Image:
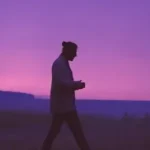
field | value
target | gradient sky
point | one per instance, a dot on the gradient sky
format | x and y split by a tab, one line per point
113	38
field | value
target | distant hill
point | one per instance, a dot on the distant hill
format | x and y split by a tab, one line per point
27	102
15	95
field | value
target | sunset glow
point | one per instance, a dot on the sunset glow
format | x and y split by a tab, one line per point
113	39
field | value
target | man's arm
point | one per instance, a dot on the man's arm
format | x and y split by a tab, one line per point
61	75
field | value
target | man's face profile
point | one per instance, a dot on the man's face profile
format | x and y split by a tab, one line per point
72	54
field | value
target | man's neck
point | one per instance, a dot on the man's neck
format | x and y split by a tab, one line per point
64	57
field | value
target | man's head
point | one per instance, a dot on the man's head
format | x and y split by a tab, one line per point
69	50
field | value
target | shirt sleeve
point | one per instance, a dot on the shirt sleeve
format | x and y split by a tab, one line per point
62	76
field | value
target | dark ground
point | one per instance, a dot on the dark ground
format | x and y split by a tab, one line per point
26	131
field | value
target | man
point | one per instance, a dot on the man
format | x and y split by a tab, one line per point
63	107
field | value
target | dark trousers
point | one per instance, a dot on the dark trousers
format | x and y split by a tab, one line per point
72	120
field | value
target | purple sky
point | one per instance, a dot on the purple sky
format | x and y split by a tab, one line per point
113	38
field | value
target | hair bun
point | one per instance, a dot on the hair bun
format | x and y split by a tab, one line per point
64	43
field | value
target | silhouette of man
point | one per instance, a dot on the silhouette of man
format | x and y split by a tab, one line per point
62	101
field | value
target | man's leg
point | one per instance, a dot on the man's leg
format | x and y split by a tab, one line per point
57	121
74	124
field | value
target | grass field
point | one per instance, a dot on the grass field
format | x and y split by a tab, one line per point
26	131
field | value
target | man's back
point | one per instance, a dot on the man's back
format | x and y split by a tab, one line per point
62	95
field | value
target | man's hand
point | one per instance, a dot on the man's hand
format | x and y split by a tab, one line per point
80	84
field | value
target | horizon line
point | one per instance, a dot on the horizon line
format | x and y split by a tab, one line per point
46	97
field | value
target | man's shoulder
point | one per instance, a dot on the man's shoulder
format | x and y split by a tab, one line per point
58	61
